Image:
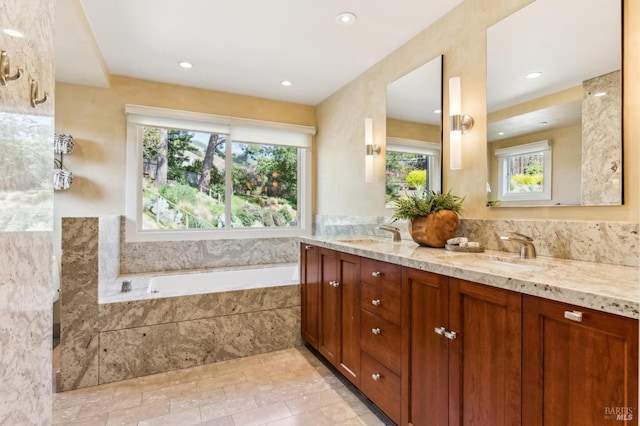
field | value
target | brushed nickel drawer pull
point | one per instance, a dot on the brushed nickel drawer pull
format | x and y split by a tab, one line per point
450	335
376	377
573	315
440	330
376	274
375	302
334	283
375	330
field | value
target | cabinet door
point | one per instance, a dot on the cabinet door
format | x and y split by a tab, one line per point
310	292
328	337
425	378
348	361
581	370
485	356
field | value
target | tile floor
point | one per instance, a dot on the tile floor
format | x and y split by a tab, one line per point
289	387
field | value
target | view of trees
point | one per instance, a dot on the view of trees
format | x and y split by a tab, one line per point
526	173
184	183
406	175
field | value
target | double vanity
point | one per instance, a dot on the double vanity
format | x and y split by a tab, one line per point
436	337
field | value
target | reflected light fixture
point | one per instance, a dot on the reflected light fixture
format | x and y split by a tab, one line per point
460	124
371	150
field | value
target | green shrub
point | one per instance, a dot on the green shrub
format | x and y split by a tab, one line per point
286	214
416	179
249	214
179	193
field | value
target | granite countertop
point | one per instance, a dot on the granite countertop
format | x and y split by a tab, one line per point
604	287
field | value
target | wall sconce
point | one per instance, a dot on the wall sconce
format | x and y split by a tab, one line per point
460	124
371	150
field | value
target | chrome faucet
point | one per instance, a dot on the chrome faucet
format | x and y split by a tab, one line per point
395	231
527	249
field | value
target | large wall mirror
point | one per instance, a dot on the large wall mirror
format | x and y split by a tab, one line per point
414	132
554	102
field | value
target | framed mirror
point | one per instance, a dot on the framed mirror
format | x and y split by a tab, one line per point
554	102
414	132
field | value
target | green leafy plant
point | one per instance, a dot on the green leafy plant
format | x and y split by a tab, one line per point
423	205
416	179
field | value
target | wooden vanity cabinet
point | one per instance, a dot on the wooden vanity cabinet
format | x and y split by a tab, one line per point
580	366
310	293
381	334
464	357
339	311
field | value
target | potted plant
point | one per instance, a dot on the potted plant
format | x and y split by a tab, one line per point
433	216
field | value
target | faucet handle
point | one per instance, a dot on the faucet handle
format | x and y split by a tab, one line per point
519	235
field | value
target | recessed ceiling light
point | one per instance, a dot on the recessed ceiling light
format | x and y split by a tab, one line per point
500	133
286	83
13	33
599	94
534	74
346	18
185	64
437	111
543	123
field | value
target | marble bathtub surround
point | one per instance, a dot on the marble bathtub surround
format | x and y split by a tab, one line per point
608	288
128	338
616	243
148	256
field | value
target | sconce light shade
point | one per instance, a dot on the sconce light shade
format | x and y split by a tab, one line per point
460	124
371	150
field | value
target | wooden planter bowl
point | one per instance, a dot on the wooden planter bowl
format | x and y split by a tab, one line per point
435	229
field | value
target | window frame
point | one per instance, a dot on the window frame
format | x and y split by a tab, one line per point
505	154
239	130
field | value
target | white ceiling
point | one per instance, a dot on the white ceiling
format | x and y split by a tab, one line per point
237	46
568	42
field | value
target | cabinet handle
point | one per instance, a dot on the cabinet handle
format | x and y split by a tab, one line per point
375	330
375	302
334	283
450	335
5	70
440	330
376	377
573	315
307	247
376	274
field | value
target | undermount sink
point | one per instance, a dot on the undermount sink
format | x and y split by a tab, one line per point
362	241
501	264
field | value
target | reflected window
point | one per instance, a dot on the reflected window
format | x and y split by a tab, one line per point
411	168
525	172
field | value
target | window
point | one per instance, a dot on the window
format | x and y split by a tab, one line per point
524	172
199	176
411	167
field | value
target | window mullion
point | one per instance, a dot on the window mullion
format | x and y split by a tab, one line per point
228	182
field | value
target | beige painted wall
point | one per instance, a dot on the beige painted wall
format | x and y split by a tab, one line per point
566	148
96	119
461	37
411	130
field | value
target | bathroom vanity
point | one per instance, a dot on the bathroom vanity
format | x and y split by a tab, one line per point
435	337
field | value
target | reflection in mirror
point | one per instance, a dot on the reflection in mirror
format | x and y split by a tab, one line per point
414	132
554	122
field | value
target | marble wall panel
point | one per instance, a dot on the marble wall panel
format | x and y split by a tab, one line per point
79	303
154	256
616	243
138	313
25	328
109	248
602	140
141	351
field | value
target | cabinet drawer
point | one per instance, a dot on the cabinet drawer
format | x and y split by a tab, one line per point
382	299
377	272
381	339
381	386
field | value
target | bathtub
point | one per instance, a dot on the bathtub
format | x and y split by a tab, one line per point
224	280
